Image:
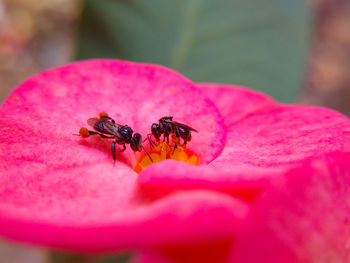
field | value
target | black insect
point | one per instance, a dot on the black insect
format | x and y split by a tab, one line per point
167	127
107	128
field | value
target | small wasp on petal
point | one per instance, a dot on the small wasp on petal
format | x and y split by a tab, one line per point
107	128
167	127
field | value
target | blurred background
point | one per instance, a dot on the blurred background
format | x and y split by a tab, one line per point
40	34
296	51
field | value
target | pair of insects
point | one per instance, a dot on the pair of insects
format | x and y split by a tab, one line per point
107	128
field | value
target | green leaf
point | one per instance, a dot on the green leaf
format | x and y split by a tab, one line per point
257	43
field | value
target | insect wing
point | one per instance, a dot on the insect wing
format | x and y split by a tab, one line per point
92	121
103	126
181	125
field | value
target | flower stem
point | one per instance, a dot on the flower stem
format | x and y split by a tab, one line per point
60	257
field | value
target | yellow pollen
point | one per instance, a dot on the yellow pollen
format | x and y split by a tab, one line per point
165	151
83	132
102	114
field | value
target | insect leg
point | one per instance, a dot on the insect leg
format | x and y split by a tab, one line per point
124	148
175	147
176	138
83	132
167	138
113	121
185	143
104	116
113	152
177	132
102	135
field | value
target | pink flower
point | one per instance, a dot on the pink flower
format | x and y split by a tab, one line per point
62	191
308	218
303	216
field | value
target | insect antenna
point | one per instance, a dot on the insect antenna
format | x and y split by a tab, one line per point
147	153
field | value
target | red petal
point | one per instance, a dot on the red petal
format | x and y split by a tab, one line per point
303	217
235	102
193	217
205	252
264	139
63	191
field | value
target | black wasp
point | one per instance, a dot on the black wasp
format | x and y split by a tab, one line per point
107	128
167	127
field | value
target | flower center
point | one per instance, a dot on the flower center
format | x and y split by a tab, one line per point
164	151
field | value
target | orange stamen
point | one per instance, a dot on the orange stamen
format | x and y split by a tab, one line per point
165	151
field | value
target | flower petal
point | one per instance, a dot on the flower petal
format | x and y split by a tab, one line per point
40	116
264	140
198	216
168	176
303	217
235	102
283	135
52	182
